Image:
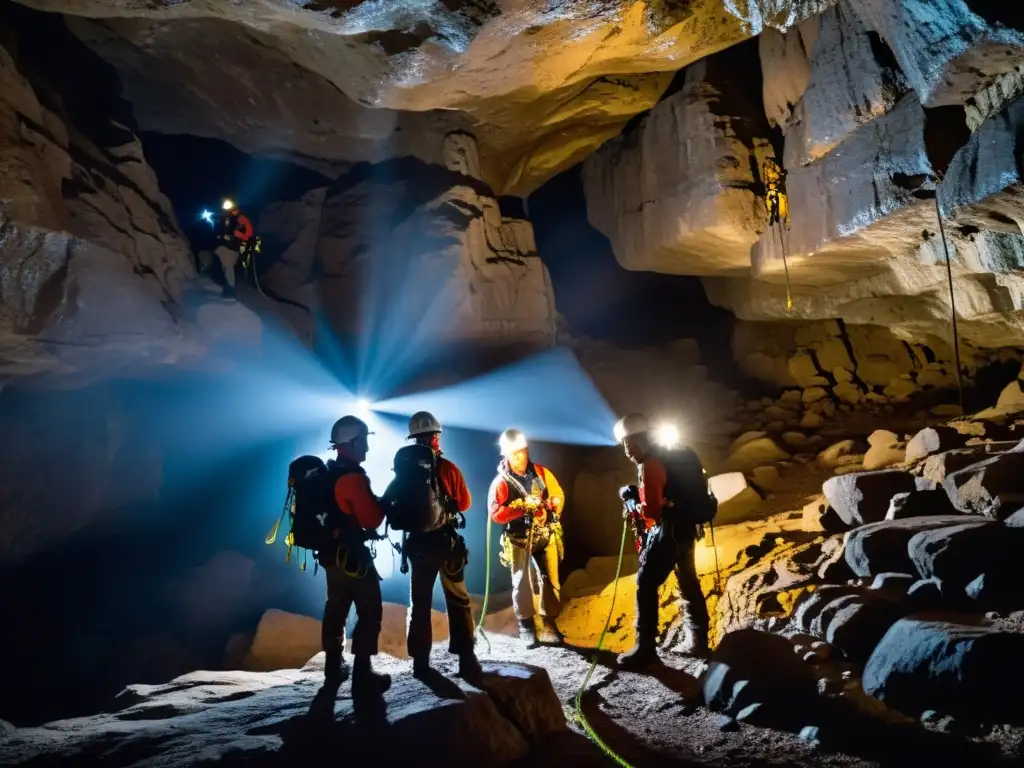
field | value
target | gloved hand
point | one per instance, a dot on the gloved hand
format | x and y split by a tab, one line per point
629	493
532	501
551	504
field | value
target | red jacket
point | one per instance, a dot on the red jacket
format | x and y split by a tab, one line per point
498	496
243	227
653	479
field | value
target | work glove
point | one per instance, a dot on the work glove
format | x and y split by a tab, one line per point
629	493
532	501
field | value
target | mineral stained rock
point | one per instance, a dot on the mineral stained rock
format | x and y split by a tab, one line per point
549	83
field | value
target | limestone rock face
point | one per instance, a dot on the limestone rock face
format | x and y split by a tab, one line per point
548	84
676	195
948	49
851	79
96	279
424	238
874	113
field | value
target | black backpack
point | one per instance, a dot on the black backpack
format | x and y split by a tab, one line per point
312	513
693	501
414	500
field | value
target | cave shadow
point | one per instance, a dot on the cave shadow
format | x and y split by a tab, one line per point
627	745
605	658
850	731
683	683
441	686
319	737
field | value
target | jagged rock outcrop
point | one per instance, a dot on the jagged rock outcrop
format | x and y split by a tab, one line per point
428	242
679	193
94	272
546	84
280	718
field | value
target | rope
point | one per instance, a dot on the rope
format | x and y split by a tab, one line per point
578	702
952	304
487	590
785	265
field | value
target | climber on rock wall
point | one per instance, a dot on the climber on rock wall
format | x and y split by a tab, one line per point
671	497
526	498
440	550
233	233
351	576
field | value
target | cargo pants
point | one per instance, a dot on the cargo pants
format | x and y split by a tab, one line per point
524	575
430	555
343	591
668	548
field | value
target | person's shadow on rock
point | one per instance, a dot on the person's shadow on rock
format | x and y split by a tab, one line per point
440	685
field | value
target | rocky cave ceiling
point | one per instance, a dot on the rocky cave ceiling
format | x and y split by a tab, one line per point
874	107
542	83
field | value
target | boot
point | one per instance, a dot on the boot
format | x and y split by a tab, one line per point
551	629
469	667
695	641
335	669
528	633
641	656
365	680
421	667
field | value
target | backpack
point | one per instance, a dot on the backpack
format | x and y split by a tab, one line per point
312	513
694	503
414	501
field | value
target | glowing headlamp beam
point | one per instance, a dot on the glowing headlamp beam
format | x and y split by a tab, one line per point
207	216
666	435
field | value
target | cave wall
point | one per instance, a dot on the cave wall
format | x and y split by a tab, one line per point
413	253
681	192
96	278
876	101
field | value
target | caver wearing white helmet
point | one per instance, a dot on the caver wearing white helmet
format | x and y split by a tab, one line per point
438	550
424	423
350	433
527	500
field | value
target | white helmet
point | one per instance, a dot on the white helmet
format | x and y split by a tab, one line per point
627	426
423	423
511	440
348	428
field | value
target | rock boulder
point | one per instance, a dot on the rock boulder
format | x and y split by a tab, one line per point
279	716
993	487
883	547
864	497
942	663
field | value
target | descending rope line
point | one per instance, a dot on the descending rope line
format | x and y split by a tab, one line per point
578	702
785	266
487	590
952	303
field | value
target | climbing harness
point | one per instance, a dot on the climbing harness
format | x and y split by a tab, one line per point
777	203
578	715
952	303
248	253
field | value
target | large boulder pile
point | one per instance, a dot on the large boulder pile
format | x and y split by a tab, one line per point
855	365
928	564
